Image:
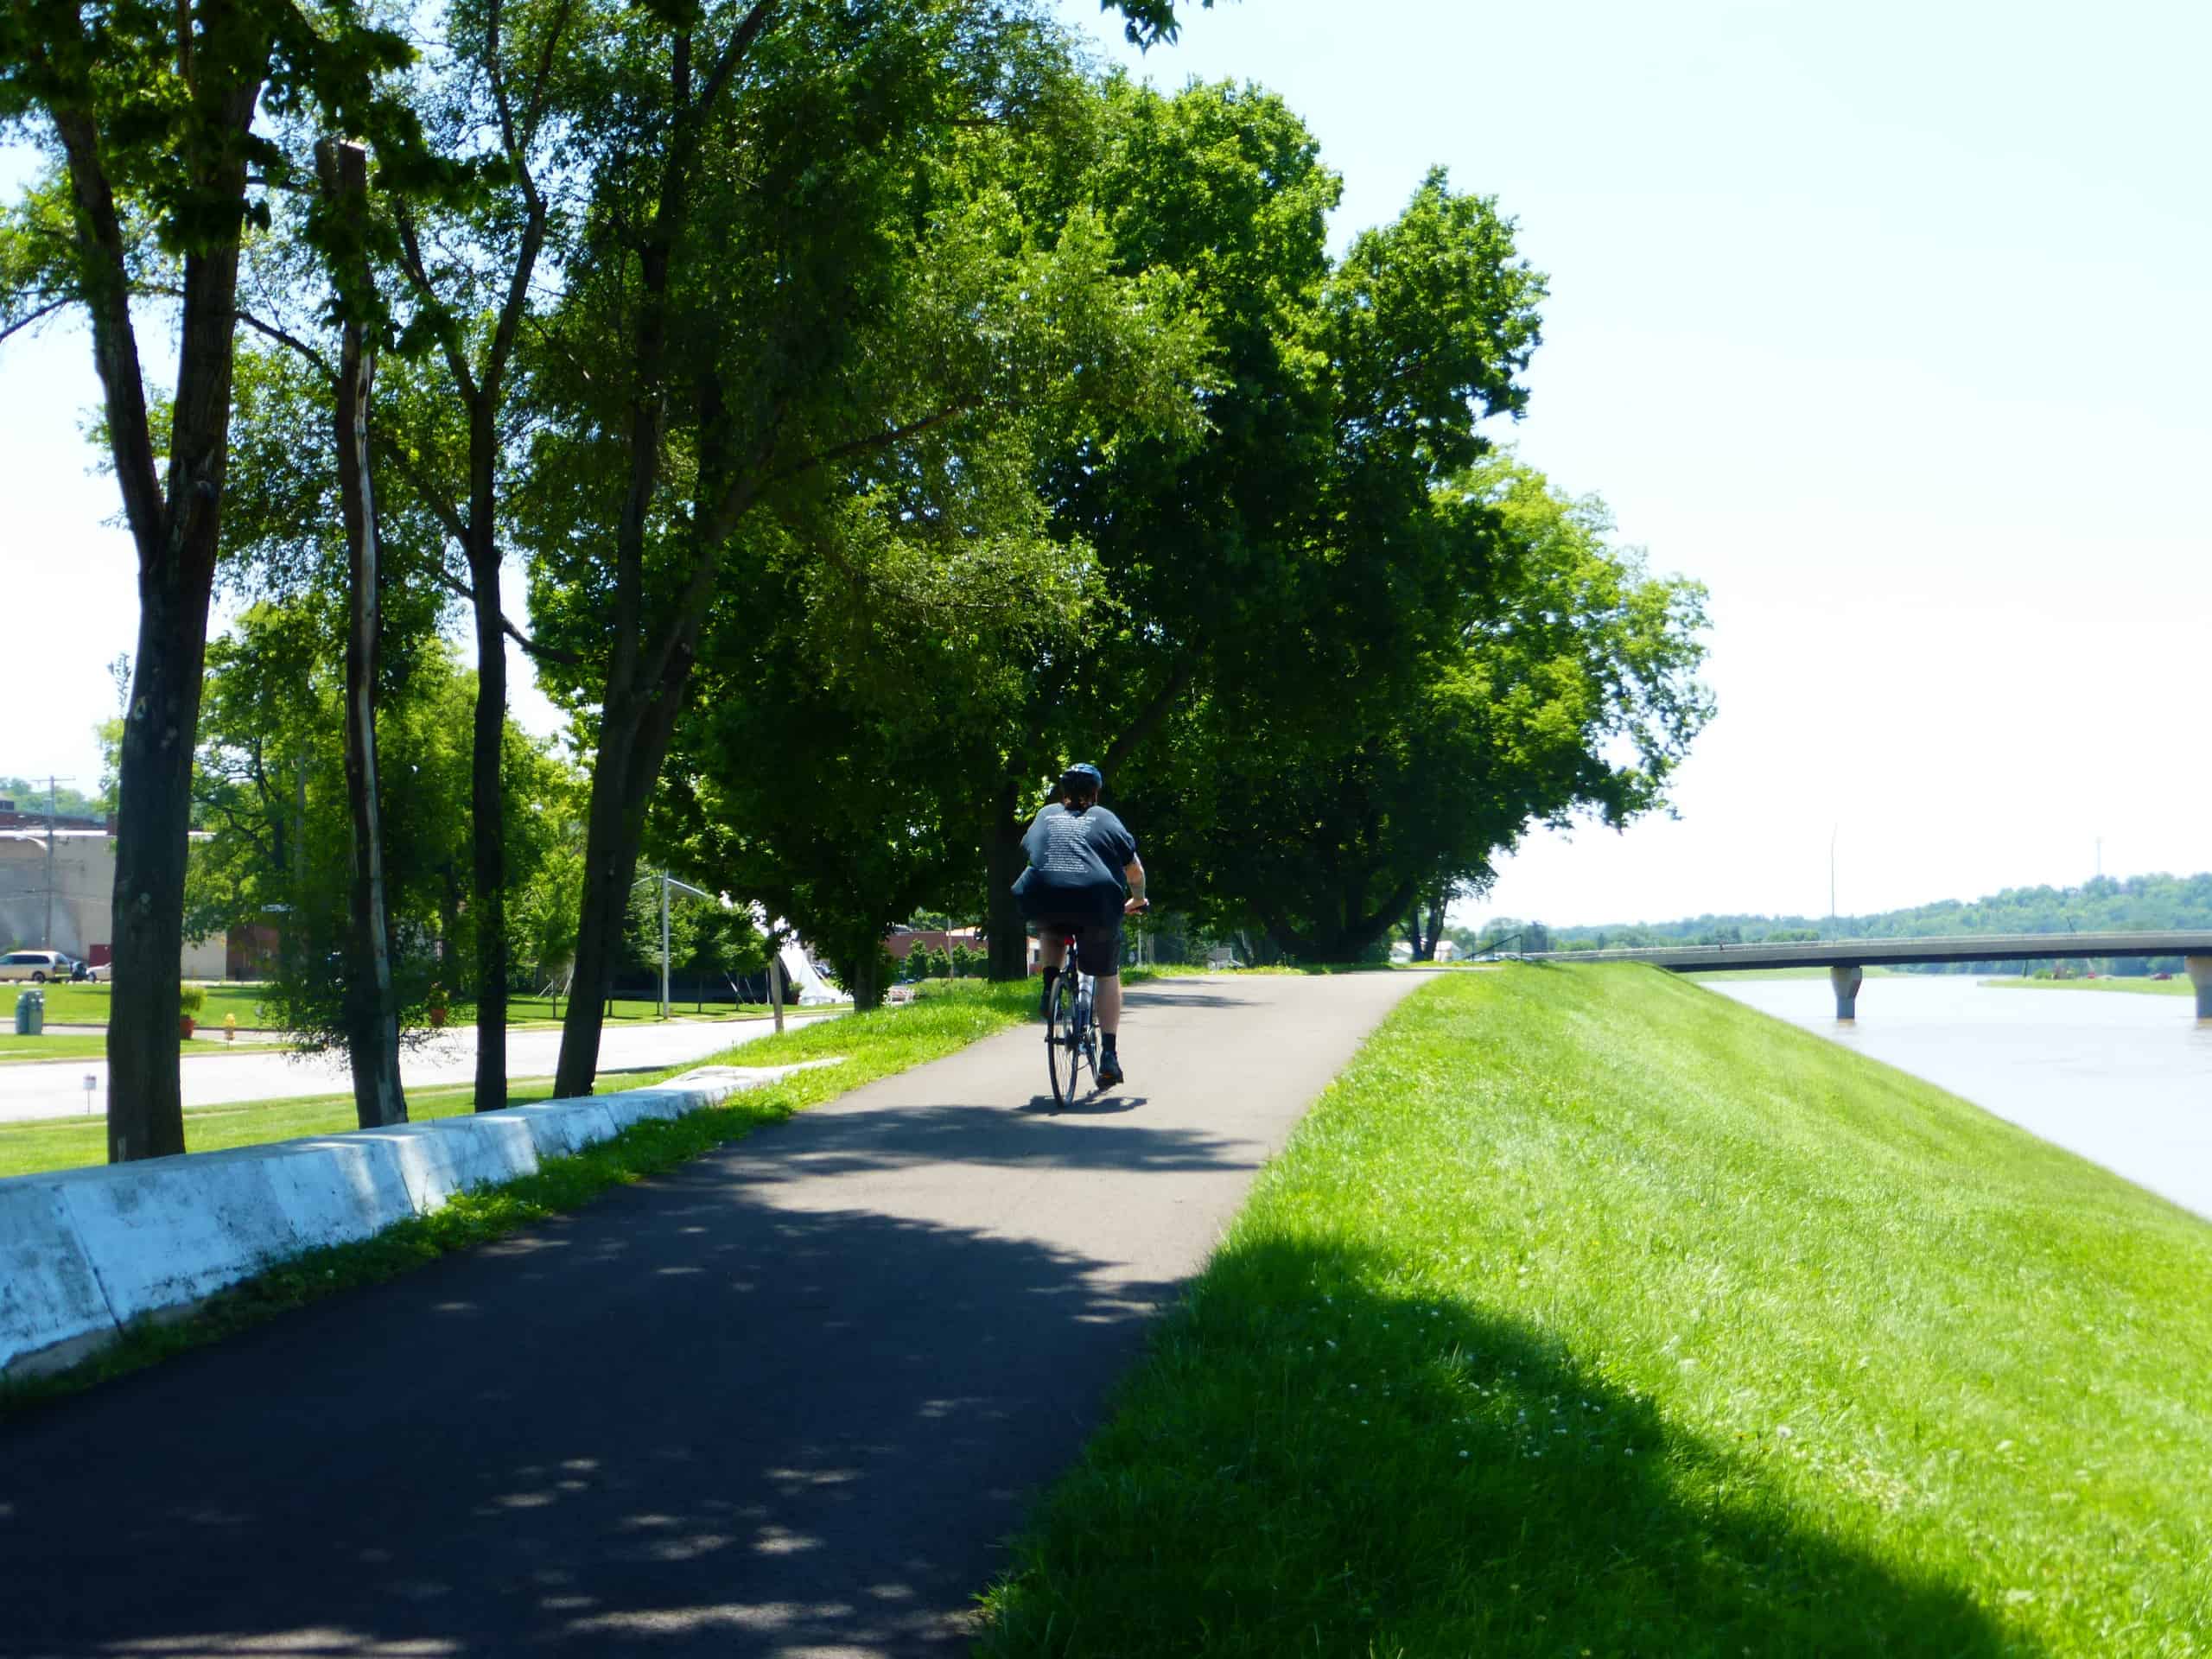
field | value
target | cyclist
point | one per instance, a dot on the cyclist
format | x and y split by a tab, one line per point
1080	857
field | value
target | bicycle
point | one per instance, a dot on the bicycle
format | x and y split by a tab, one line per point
1071	1038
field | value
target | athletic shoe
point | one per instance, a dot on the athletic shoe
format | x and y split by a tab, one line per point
1109	1070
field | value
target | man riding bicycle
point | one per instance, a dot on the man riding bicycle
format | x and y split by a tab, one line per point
1080	855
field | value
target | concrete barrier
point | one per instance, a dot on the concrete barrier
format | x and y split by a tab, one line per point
84	1252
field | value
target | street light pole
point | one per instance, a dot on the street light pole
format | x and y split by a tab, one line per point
1832	833
664	945
52	796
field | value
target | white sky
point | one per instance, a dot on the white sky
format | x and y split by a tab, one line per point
1889	322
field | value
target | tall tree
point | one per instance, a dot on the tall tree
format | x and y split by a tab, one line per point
152	110
772	299
1564	683
503	89
373	1009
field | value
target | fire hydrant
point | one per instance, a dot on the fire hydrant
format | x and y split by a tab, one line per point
230	1028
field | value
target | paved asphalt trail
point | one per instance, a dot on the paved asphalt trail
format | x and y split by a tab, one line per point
786	1399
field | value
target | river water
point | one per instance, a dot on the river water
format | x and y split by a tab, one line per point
2123	1080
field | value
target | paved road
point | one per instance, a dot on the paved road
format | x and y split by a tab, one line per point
786	1399
51	1089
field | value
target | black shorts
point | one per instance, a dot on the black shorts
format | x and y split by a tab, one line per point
1098	940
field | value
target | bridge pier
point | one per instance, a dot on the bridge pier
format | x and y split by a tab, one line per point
2199	975
1847	976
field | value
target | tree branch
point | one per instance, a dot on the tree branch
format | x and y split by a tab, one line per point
881	440
1148	717
544	653
536	109
410	245
26	320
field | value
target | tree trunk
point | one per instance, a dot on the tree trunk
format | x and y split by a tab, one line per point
175	525
145	1109
372	1015
1006	937
634	738
863	975
487	802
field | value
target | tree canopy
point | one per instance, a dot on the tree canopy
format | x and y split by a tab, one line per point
883	408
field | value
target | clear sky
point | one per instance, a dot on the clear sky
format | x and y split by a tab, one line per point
1890	323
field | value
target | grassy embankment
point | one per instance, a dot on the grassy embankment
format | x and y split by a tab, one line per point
1592	1313
867	1045
2177	986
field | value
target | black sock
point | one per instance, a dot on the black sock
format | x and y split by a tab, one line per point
1109	1036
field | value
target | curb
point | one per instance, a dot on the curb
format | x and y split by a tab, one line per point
84	1252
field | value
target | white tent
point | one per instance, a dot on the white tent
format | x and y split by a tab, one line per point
812	990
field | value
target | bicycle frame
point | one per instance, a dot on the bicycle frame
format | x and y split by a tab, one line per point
1071	1038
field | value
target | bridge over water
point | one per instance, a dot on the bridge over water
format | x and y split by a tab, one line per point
1847	959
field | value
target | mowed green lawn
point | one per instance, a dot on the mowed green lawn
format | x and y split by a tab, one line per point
88	1005
1591	1312
50	1143
51	1046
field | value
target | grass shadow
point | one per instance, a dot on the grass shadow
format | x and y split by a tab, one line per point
1307	1464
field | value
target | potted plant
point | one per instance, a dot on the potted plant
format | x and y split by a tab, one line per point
438	1010
190	1000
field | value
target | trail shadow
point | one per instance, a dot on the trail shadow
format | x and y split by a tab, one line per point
954	1132
1136	997
683	1420
1428	1478
1092	1105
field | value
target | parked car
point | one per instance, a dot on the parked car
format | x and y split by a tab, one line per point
37	966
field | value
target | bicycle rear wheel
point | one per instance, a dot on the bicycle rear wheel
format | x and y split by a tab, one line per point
1064	1038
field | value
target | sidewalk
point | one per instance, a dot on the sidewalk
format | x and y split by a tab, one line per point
787	1399
33	1089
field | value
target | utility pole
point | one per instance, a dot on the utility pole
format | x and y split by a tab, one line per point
52	795
1832	835
664	945
2100	858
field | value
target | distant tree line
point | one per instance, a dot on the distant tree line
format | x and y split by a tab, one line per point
2145	903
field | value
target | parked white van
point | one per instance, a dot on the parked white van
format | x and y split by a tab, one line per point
36	966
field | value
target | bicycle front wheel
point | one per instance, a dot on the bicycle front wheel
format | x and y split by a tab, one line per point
1064	1039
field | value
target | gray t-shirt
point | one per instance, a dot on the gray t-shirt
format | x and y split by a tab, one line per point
1076	861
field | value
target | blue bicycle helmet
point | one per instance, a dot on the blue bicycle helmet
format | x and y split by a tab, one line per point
1085	771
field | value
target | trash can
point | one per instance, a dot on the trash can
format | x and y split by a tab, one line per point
31	1013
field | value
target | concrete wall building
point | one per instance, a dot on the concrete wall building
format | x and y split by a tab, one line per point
81	892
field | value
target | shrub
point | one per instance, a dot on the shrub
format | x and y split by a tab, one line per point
191	999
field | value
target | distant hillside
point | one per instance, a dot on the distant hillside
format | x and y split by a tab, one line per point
2141	904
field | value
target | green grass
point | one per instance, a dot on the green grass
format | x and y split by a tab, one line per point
1591	1312
43	1145
2177	986
869	1046
51	1047
88	1005
92	1045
